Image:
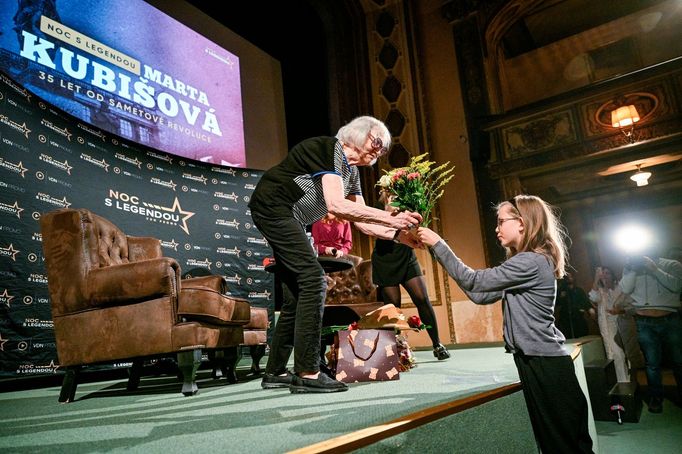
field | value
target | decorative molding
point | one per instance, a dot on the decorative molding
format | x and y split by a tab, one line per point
396	96
540	134
651	102
646	104
645	134
577	126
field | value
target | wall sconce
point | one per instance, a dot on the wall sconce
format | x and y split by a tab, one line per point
625	118
639	177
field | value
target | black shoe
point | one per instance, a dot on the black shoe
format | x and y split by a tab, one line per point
276	381
441	352
656	405
324	369
321	384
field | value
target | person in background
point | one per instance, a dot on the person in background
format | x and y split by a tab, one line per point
605	295
572	308
332	236
319	175
655	286
395	264
533	239
675	253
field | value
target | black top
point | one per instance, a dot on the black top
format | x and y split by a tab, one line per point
393	263
294	186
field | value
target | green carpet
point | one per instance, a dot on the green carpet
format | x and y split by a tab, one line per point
233	418
653	434
243	418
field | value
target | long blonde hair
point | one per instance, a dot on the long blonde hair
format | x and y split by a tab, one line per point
543	232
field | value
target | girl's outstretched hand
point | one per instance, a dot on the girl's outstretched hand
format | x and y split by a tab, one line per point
428	236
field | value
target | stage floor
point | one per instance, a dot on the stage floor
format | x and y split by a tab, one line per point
235	418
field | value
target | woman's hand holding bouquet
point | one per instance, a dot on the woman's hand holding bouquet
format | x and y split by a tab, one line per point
416	187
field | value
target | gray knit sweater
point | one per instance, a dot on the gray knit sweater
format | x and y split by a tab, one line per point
526	285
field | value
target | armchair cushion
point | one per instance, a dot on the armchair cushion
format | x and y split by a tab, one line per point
256	331
215	283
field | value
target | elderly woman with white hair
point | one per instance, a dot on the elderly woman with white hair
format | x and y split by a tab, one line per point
319	175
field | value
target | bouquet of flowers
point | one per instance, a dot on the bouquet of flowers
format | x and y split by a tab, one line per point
417	186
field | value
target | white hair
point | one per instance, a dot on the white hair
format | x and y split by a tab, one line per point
355	132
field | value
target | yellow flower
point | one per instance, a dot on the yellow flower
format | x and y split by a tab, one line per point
417	186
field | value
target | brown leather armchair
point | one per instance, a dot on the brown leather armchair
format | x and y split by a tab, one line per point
117	298
350	294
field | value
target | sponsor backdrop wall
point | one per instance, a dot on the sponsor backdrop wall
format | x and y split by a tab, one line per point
51	160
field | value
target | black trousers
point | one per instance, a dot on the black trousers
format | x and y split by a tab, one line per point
556	404
303	292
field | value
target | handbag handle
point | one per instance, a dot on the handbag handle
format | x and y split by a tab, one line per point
352	346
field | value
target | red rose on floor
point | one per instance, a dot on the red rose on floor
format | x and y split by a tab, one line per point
414	321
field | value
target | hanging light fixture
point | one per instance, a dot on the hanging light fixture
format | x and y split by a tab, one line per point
639	177
625	118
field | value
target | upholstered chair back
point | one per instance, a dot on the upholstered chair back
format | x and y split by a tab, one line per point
351	289
79	245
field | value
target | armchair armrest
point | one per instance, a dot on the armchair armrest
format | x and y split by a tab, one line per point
132	282
213	282
143	248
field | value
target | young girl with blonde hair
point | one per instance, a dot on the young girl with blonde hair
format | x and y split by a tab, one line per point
533	238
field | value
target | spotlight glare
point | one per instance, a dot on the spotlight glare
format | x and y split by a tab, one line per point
632	239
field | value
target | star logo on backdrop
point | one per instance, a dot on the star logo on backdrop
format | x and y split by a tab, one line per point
6	298
175	208
19	210
22	169
2	343
185	214
24	129
9	251
15	208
